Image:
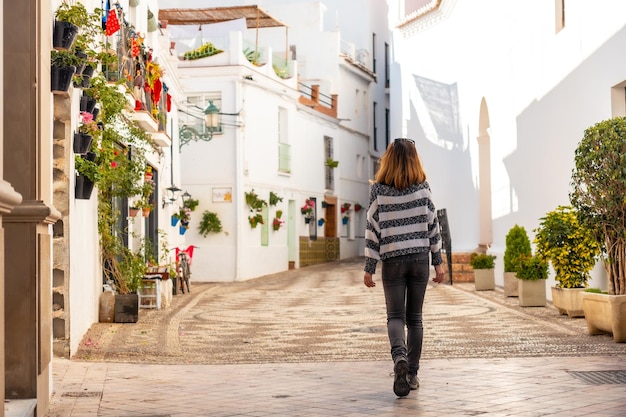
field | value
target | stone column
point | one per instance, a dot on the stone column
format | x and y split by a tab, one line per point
27	157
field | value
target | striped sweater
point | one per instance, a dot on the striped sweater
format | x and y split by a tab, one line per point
401	222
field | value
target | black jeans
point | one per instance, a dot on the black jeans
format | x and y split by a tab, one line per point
405	279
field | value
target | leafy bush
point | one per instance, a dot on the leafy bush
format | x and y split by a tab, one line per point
532	268
517	245
482	261
570	247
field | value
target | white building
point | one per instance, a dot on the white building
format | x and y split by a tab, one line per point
278	131
498	95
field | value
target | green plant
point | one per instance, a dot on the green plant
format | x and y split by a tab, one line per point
62	59
210	223
278	222
191	204
482	261
255	220
252	56
87	168
184	215
570	248
75	14
517	245
254	202
207	49
598	188
532	268
274	199
332	163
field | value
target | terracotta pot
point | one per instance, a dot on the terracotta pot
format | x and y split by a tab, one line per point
145	212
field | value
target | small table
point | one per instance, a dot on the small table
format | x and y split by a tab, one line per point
150	292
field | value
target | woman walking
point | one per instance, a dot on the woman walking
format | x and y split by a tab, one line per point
402	229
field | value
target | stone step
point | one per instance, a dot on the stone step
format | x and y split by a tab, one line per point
461	269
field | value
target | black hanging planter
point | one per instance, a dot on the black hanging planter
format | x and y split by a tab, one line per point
83	59
61	78
64	35
85	77
83	188
82	143
87	103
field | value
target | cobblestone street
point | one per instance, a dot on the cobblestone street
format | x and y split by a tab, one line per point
325	313
312	342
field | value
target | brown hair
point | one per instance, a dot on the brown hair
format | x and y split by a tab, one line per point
400	166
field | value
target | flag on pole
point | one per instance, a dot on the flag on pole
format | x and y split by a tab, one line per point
113	24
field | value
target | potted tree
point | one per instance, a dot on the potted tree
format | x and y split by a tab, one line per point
517	245
571	249
532	274
483	265
598	188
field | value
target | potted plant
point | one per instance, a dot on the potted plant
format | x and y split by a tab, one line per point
307	209
278	222
598	188
87	130
572	250
483	265
62	69
68	18
210	223
332	163
532	273
87	175
517	245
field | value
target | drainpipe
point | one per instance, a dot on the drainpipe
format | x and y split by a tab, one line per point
238	191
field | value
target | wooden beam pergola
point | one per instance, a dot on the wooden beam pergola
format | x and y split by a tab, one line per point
255	16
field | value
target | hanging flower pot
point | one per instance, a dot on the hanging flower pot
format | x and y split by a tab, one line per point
87	103
83	187
321	222
82	143
64	35
85	77
145	212
61	78
182	230
132	211
344	220
174	220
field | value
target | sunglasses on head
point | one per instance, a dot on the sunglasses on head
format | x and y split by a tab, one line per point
407	139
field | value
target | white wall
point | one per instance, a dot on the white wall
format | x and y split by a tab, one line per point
542	89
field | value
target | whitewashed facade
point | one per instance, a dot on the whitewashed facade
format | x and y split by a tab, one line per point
525	79
264	112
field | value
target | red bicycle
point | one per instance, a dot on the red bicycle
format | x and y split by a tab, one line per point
183	268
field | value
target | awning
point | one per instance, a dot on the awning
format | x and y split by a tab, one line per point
254	15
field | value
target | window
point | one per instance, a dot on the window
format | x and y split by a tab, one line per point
374	52
386	65
328	154
191	113
387	133
374	128
284	149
